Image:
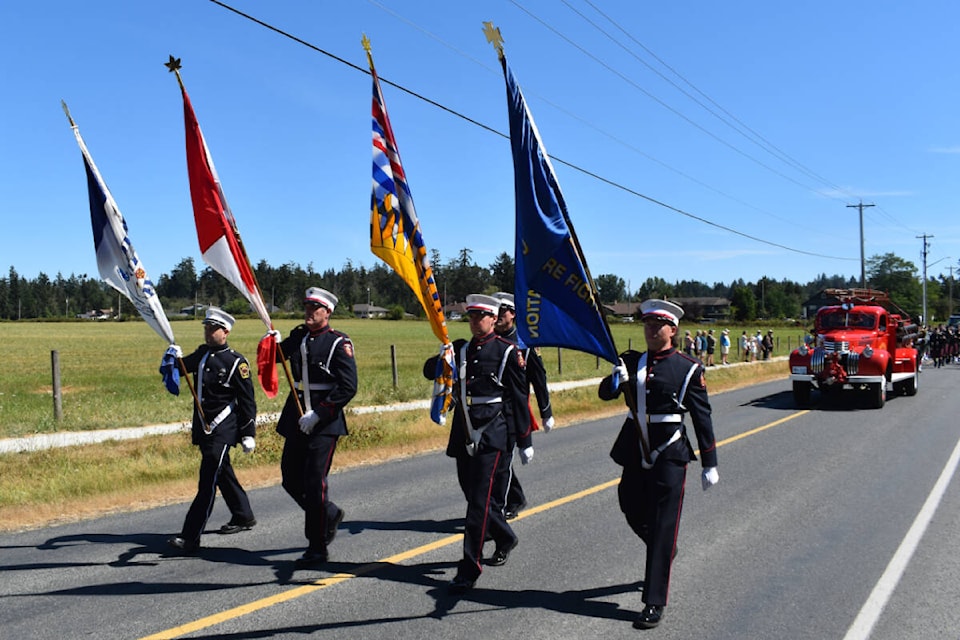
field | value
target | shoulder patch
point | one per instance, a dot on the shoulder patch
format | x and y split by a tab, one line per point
244	370
348	348
703	380
523	362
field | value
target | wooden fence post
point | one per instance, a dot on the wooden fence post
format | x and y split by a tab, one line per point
57	392
393	365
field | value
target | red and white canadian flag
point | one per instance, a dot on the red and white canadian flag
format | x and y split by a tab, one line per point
219	237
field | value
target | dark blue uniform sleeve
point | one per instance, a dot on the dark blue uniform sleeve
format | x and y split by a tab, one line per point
698	404
246	401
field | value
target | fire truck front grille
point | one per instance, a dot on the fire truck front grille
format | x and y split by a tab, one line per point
836	347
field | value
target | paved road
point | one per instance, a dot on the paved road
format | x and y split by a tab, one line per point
814	510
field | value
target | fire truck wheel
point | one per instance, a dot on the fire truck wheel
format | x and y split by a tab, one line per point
801	394
878	394
910	386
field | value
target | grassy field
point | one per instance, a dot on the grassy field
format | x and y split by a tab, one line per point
110	379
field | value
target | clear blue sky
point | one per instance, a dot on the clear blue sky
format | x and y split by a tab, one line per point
810	107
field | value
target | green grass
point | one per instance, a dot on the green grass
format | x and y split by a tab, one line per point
110	379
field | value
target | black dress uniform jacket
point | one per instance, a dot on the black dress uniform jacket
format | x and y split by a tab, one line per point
536	374
666	373
332	371
505	423
225	381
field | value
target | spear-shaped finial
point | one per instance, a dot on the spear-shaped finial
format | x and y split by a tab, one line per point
494	37
69	117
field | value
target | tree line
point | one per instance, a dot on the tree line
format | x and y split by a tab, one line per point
283	287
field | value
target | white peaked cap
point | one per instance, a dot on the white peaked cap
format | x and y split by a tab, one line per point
486	304
665	309
219	317
506	300
321	297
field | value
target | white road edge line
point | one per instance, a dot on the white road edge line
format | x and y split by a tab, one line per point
873	607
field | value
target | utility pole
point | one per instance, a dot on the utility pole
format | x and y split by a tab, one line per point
950	298
863	273
923	253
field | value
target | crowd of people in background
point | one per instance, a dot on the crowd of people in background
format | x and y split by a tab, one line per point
702	344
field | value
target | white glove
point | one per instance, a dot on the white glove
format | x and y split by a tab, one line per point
308	421
275	334
620	373
526	455
710	477
175	351
548	424
248	444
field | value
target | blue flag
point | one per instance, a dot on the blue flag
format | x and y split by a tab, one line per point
557	303
170	372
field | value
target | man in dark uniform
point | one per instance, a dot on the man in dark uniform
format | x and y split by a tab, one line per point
536	374
665	384
490	418
325	373
225	392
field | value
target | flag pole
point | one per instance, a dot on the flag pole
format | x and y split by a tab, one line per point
173	65
93	167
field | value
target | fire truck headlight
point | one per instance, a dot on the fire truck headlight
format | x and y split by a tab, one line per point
803	350
868	352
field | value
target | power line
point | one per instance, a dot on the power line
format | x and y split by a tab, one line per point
743	129
507	137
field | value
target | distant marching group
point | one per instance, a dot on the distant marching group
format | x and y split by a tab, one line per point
943	345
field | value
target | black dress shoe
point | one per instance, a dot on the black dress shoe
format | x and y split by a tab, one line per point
500	556
512	510
650	617
182	544
235	526
332	526
460	585
311	558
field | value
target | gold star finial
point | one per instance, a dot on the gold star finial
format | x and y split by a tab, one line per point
173	65
494	37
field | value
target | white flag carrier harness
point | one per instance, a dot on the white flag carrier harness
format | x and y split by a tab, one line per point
657	418
304	383
468	401
227	410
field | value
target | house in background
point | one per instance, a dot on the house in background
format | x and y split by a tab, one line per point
96	314
626	311
368	311
704	309
454	311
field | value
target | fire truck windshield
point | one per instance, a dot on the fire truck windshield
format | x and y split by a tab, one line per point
839	319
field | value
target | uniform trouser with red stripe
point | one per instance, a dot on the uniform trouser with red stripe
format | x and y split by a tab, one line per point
652	501
487	478
304	465
215	472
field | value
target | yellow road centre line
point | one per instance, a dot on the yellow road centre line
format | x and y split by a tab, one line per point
324	583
